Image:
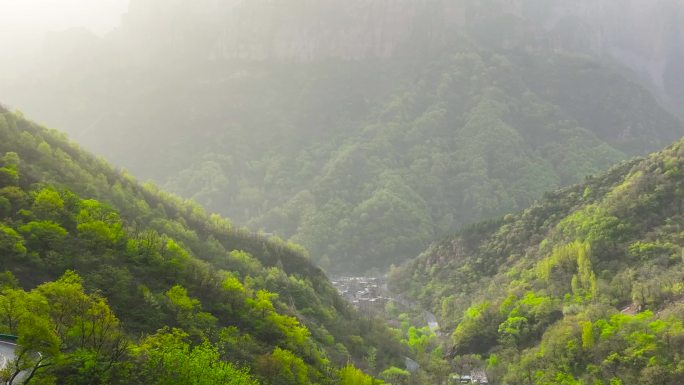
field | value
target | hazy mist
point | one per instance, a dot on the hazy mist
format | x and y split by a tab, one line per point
25	23
342	192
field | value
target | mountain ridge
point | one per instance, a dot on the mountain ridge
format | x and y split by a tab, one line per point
299	147
161	263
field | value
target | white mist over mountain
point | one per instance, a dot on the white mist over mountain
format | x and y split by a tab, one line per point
24	24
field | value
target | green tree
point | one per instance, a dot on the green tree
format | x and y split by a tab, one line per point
48	204
396	376
166	358
349	375
189	314
62	329
282	367
43	235
11	243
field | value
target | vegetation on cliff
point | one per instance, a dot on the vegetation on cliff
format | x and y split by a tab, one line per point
583	287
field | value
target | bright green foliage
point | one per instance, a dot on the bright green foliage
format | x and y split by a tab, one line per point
651	250
588	339
396	376
570	260
419	339
232	285
98	224
47	203
525	318
284	328
188	312
586	283
11	243
565	258
167	358
476	330
593	225
282	367
514	330
160	261
43	235
350	375
9	174
62	330
627	349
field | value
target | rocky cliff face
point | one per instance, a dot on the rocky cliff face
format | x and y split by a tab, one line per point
644	36
295	31
349	30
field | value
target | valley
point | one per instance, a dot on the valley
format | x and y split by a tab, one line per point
360	192
363	153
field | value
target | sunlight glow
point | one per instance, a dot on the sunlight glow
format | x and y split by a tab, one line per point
44	15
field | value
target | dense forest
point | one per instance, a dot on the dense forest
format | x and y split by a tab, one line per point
583	287
362	146
473	174
106	280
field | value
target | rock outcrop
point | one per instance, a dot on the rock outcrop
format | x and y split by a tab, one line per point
644	36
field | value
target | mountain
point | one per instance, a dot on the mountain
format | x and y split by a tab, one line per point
646	39
100	273
361	129
583	287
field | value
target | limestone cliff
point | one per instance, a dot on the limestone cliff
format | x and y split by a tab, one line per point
644	36
297	30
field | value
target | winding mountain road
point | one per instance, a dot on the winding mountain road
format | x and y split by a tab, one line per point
6	353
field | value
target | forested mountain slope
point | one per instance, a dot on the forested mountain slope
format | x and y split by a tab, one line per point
583	287
159	263
361	129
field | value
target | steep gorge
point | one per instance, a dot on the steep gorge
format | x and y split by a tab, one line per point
361	129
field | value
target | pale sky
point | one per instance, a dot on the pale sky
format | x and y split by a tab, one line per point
24	23
97	15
